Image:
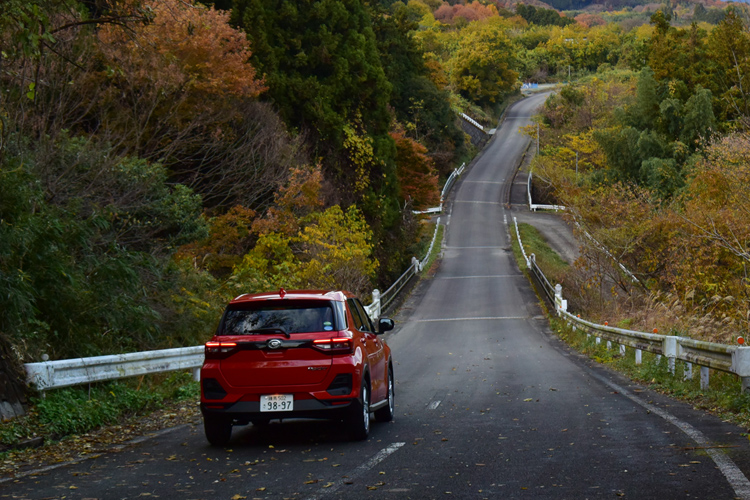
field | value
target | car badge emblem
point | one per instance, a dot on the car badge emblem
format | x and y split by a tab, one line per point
274	343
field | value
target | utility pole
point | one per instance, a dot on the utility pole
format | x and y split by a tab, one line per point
537	138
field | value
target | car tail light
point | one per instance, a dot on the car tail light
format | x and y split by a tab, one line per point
217	350
334	346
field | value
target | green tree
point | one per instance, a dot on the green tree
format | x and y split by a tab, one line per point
729	45
422	108
321	63
483	68
698	118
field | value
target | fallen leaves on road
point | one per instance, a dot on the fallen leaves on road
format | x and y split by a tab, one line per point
101	440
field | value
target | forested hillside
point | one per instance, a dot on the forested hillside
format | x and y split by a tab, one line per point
158	157
653	163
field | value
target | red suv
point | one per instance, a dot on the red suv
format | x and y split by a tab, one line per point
297	354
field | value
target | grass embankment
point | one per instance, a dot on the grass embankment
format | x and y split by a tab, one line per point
724	396
435	249
547	259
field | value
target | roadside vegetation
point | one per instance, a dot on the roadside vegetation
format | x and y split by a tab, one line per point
652	164
555	268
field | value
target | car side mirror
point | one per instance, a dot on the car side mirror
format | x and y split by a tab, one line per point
384	325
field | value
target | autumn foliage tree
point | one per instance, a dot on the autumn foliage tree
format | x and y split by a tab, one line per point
470	11
181	89
417	176
300	245
483	68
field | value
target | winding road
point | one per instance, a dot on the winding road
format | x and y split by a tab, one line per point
490	404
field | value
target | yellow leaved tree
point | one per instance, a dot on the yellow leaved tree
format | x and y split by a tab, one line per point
300	245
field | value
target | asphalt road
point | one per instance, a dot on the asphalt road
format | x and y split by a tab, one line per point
489	405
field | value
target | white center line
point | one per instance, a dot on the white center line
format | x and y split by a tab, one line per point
375	460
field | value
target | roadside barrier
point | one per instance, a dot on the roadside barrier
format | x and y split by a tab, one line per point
447	187
70	372
535	206
707	355
381	301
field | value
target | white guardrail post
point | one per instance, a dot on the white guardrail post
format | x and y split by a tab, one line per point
740	366
562	304
670	350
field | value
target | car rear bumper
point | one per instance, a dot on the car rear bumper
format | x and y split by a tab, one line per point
245	411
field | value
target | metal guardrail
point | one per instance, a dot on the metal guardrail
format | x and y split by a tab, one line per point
472	121
535	206
448	185
70	372
381	301
707	355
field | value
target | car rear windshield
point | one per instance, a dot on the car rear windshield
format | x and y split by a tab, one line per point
289	318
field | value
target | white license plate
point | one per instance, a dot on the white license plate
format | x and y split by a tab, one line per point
277	402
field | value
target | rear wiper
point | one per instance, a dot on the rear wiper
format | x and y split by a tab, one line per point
269	330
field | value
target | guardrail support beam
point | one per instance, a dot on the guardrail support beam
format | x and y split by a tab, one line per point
688	373
704	377
638	356
197	374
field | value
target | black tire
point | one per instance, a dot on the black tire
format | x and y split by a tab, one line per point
358	420
218	430
260	422
385	414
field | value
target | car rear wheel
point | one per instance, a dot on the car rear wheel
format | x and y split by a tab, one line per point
385	414
260	422
359	418
218	430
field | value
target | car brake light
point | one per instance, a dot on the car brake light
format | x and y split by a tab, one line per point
334	346
219	349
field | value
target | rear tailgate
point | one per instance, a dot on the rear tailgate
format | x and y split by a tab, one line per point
275	362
